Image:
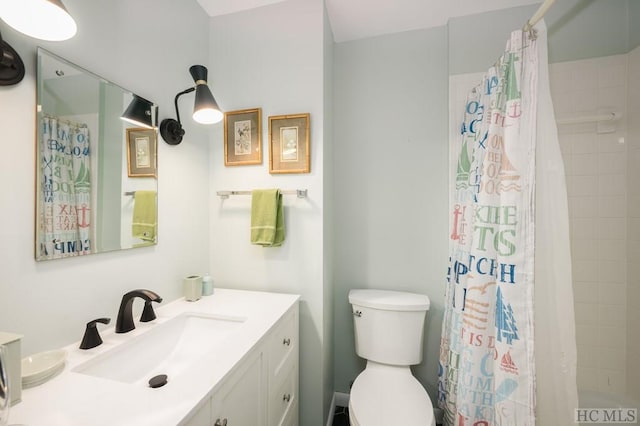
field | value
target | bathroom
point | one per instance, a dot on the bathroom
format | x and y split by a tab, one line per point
349	232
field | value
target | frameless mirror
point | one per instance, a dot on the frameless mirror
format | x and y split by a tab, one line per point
96	180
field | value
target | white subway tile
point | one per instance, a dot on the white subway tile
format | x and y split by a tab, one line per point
633	205
584	270
613	74
583	185
584	76
612	97
585	292
611	359
584	101
587	335
611	381
584	143
585	249
583	228
612	163
613	271
615	315
612	184
611	250
612	337
583	206
614	206
588	356
612	293
587	378
586	314
611	228
611	142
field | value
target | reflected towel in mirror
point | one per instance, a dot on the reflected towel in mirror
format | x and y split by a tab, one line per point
145	221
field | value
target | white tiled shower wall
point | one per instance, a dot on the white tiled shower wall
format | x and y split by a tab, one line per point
633	243
596	170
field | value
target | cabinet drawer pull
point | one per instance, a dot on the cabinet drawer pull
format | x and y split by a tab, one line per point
286	341
219	423
286	397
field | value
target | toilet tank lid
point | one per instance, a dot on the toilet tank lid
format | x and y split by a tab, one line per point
389	300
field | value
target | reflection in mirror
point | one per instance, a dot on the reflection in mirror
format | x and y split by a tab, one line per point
88	199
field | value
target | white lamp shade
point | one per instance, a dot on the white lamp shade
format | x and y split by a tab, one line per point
42	19
208	116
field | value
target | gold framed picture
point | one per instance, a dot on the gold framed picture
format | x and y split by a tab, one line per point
243	137
142	152
289	150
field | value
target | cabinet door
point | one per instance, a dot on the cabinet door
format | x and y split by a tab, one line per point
240	400
202	417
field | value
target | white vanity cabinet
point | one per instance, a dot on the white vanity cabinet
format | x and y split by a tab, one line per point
262	390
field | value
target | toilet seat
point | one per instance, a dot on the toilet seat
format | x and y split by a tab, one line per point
385	395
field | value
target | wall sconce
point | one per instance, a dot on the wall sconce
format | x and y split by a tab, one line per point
11	65
42	19
139	112
205	109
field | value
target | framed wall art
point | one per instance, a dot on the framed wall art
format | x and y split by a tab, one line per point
289	150
243	137
142	152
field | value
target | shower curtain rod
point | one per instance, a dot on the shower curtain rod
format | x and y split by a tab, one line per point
542	10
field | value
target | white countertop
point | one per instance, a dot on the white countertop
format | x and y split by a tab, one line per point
72	398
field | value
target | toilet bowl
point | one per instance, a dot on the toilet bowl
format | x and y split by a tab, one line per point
389	333
387	395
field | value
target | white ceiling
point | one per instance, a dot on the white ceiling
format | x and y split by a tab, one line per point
356	19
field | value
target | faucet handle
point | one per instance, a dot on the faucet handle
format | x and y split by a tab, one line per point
147	313
91	338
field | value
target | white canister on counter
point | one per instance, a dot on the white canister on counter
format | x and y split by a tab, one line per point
192	287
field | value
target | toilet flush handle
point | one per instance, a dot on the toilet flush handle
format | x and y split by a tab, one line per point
357	313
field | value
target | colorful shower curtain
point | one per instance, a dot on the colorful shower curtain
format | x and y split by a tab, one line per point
65	190
486	358
509	207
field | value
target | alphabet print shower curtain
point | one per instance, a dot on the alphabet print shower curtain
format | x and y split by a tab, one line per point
508	207
65	190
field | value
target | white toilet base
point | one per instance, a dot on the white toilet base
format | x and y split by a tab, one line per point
385	395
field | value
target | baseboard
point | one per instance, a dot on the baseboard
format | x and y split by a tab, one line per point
339	399
342	399
332	410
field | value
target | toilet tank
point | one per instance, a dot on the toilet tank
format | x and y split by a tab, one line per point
389	325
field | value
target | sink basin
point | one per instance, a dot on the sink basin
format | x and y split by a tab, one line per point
168	348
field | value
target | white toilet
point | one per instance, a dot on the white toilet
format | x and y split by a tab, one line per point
389	330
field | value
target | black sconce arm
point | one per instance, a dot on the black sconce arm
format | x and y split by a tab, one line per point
170	129
184	92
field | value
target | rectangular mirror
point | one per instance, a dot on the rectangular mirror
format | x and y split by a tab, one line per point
96	179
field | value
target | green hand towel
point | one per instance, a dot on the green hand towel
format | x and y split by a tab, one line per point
145	222
267	218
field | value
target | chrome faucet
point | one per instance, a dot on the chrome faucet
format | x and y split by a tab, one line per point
124	322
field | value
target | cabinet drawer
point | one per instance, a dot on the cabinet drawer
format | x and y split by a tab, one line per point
284	345
283	401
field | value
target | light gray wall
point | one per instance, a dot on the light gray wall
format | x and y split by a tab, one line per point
328	217
390	181
577	30
272	57
634	24
125	42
